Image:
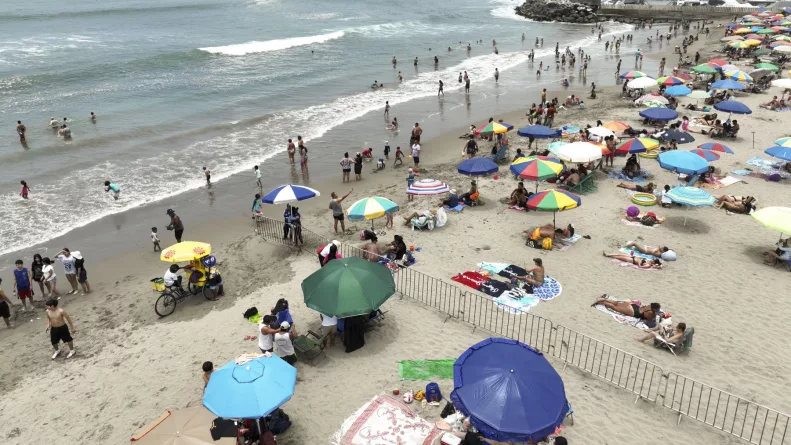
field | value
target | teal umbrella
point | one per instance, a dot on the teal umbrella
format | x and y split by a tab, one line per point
348	286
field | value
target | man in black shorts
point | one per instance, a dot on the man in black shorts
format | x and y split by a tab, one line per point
337	210
472	147
58	328
5	307
416	132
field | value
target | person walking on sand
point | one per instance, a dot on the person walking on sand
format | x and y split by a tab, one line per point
207	172
155	239
291	150
50	279
36	268
22	281
69	268
337	210
257	172
346	167
416	132
416	154
5	307
82	275
662	67
25	190
176	225
358	166
440	91
21	130
58	328
618	67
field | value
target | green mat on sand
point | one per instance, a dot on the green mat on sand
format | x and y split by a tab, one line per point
426	369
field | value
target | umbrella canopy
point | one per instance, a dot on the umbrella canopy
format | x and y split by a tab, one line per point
683	162
784	142
348	286
509	390
681	137
704	69
708	155
755	37
677	90
579	152
185	251
753	42
684	76
601	132
428	187
553	200
760	72
616	125
739	45
251	390
494	128
779	44
554	146
371	208
536	168
782	83
670	81
732	106
659	114
289	193
781	39
636	145
642	82
645	98
477	167
691	196
779	152
569	129
729	67
782	49
538	132
766	31
727	84
188	426
715	146
776	218
731	38
699	94
761	52
742	31
633	75
741	76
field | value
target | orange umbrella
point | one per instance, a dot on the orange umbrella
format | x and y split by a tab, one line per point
616	126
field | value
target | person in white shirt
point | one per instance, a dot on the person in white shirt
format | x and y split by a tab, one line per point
416	154
329	325
171	277
266	334
54	123
50	279
285	349
155	239
69	268
258	176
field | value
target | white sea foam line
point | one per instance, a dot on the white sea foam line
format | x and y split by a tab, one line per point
48	214
270	45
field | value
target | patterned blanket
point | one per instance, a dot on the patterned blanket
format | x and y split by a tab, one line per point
385	421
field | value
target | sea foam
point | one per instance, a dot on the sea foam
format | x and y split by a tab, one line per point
254	47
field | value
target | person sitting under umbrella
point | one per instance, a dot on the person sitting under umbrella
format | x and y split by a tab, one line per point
471	196
781	253
630	308
637	187
519	196
549	231
642	263
572	179
472	437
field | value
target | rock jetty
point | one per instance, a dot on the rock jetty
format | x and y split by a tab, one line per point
557	11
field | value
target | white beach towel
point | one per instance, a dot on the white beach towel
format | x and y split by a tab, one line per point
385	420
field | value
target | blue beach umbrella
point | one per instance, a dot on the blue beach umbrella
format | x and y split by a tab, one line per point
677	90
779	152
251	390
509	390
683	162
289	193
732	106
659	114
681	137
538	132
690	196
477	167
727	84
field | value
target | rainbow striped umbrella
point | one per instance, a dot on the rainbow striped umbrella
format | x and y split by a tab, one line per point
708	155
633	75
670	81
427	187
553	201
714	146
536	168
494	127
371	208
740	76
739	45
636	145
784	142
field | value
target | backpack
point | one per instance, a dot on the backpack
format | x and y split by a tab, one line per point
648	220
432	393
546	243
278	422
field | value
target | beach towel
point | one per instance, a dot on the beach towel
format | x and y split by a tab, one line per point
549	290
633	266
384	421
659	221
521	209
762	163
573	239
458	208
426	369
471	279
741	172
493	288
637	253
493	267
516	301
618	174
621	318
511	271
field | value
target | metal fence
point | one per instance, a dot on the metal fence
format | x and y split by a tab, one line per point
740	417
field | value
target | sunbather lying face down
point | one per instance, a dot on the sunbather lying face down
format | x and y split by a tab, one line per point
645	312
546	231
655	251
637	187
642	263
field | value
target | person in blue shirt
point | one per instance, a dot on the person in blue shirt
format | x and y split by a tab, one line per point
110	186
452	201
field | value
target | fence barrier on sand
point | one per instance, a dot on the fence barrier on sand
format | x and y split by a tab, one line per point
716	408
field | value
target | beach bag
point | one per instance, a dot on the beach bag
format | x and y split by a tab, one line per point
546	243
432	393
448	410
278	422
475	196
648	221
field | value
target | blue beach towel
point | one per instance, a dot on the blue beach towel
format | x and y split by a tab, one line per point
458	208
618	174
549	290
741	172
637	253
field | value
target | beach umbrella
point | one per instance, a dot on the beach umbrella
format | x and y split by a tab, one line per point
704	69
699	94
538	132
600	132
708	155
371	208
347	287
718	62
775	218
752	42
494	128
681	137
715	146
670	81
554	146
684	76
289	193
728	67
427	187
731	39
782	83
743	31
759	73
653	104
536	168
633	75
727	84
659	114
678	90
477	167
652	98
509	391
636	145
732	106
766	31
784	142
779	152
616	125
781	38
755	37
188	426
251	390
761	52
554	201
739	45
682	162
782	49
579	152
642	82
774	45
690	196
185	251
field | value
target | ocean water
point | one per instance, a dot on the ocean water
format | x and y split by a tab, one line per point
178	84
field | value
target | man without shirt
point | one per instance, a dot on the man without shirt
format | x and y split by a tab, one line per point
58	328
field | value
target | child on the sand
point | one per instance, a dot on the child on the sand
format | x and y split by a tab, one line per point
155	239
399	156
208	368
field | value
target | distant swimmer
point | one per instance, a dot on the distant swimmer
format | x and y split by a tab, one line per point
291	150
494	42
393	125
394	61
496	75
523	37
93	117
400	77
387	108
496	51
64	132
536	41
108	186
469	48
207	172
436	60
466	83
375	84
20	130
440	88
449	49
54	123
415	61
460	77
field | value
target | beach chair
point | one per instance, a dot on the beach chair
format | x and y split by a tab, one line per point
309	348
693	180
586	185
501	154
684	345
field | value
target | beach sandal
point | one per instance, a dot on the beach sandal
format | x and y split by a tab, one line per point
586	236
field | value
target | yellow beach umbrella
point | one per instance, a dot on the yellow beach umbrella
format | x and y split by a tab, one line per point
752	42
739	45
742	31
185	251
777	218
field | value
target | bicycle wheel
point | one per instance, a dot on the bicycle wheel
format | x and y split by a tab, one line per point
209	293
193	288
165	305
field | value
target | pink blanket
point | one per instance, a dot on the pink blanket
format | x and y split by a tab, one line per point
386	421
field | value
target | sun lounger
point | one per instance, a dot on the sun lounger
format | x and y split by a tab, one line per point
684	345
307	347
586	185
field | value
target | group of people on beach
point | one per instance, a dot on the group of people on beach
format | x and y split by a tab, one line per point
59	127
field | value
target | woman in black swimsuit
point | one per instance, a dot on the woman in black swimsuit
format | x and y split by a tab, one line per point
630	309
642	263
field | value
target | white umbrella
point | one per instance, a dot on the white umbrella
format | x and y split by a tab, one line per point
643	82
579	152
782	83
600	132
760	72
782	49
652	98
731	38
729	67
699	94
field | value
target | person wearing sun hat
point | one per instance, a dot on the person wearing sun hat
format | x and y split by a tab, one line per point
283	341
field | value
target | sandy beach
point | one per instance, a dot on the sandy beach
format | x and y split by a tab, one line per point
131	366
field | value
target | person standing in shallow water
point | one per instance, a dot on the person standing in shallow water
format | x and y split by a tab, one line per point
292	149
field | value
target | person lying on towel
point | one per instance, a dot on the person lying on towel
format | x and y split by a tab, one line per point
663	252
549	231
630	309
641	263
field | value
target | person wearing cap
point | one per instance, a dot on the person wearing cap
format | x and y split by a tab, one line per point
283	341
324	250
176	225
69	268
387	150
82	275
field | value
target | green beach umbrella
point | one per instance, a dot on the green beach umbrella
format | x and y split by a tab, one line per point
767	66
761	52
348	286
704	69
766	31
